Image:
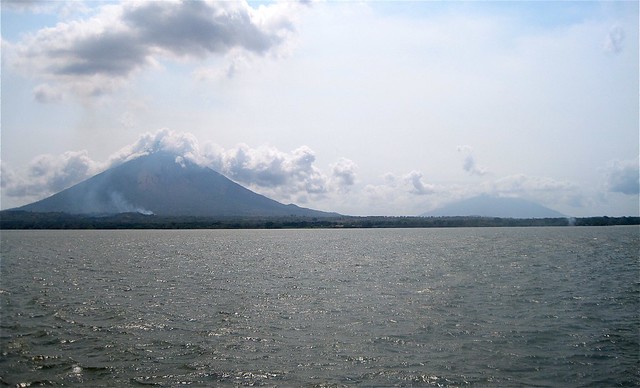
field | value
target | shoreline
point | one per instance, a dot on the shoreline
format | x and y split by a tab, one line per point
33	220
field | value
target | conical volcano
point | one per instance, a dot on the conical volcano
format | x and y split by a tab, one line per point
164	184
488	206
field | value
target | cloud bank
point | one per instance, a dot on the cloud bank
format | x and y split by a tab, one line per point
285	176
295	177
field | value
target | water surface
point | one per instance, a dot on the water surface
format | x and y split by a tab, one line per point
390	307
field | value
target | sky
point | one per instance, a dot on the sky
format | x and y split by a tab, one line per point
363	108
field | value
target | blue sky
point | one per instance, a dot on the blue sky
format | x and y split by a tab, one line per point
390	108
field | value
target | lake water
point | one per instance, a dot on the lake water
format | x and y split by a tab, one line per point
390	307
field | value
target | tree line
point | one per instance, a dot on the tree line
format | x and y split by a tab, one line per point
33	220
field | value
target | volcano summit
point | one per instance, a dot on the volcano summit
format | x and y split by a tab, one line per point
164	184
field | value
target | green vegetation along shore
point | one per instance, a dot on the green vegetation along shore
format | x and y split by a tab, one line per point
32	220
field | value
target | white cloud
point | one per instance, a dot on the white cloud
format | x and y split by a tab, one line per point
48	174
343	174
180	143
418	186
283	176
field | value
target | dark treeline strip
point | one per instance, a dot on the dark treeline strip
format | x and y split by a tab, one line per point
32	220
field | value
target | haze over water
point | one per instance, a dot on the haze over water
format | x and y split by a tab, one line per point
432	307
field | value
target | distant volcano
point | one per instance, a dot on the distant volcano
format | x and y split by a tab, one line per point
488	206
162	184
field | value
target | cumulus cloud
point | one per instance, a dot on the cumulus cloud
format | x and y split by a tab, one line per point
343	174
94	56
469	164
270	168
623	177
180	143
286	176
418	186
48	174
195	28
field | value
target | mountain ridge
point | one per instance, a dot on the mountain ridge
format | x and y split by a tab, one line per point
163	183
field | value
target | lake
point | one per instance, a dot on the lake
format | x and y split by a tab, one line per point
353	307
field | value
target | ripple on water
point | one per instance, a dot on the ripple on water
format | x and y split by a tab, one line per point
485	307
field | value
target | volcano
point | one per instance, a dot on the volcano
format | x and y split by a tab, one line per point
489	206
165	184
